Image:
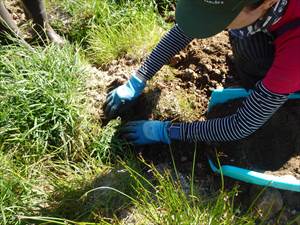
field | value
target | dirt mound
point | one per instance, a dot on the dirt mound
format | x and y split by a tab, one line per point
182	94
204	63
274	148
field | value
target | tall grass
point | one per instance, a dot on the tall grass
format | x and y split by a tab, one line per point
140	191
48	139
110	29
166	202
74	19
47	187
21	189
41	101
130	27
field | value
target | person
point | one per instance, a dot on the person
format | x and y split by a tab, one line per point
36	10
265	35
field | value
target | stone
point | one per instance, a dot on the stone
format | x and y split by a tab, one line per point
268	202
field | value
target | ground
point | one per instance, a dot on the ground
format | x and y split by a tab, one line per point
181	92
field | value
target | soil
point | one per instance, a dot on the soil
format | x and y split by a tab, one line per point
16	10
204	63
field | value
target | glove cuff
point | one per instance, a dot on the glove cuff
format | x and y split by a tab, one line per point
165	132
174	131
137	84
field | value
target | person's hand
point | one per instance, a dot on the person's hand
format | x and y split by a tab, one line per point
146	132
121	96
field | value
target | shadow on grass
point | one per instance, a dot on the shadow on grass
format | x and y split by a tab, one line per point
107	198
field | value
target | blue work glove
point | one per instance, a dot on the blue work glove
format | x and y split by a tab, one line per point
146	132
119	98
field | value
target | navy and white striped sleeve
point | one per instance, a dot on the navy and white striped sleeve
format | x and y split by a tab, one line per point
173	42
254	112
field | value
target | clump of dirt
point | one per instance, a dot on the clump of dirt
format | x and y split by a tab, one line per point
101	82
204	63
274	148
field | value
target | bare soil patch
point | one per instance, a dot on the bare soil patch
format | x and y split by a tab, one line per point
16	10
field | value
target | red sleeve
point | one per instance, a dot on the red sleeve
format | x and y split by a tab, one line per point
284	75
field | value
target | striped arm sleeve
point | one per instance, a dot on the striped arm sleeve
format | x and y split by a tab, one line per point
173	42
254	112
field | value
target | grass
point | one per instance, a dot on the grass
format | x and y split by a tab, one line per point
45	129
187	105
161	199
111	29
153	197
41	101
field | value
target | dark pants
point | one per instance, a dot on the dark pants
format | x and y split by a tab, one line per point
253	56
36	10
